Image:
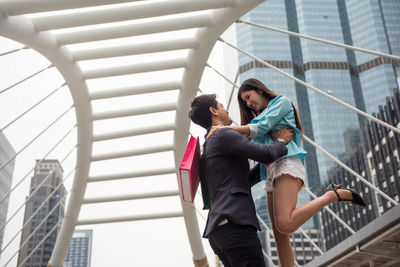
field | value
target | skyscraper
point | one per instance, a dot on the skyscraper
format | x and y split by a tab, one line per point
359	79
80	248
44	211
6	174
373	25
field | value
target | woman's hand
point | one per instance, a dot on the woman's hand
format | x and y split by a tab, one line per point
213	130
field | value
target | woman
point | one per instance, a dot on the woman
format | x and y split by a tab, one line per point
262	113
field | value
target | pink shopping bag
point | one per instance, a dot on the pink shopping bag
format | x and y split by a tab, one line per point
189	170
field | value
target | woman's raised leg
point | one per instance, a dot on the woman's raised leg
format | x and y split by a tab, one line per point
287	217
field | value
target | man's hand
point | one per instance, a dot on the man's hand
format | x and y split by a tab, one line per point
286	134
213	130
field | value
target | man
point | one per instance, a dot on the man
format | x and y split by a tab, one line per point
232	223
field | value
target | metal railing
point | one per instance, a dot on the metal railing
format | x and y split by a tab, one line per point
36	137
25	79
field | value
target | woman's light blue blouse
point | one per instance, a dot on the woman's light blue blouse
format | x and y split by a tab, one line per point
278	114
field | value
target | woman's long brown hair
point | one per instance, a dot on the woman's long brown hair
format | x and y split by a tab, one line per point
246	113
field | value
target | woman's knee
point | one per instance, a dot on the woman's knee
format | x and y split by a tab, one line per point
279	236
284	226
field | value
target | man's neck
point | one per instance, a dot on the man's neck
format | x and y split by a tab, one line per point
218	122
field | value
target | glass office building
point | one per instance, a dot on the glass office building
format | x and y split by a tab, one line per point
6	173
80	248
375	25
44	212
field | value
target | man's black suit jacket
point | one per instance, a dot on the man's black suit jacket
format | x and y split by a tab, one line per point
229	179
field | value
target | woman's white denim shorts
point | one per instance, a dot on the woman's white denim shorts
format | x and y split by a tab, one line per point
291	166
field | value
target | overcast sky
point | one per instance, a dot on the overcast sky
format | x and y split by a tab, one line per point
142	243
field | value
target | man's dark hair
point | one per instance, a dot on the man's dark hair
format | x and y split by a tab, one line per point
200	109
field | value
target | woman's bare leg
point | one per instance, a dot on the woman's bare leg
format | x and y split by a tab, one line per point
283	245
288	218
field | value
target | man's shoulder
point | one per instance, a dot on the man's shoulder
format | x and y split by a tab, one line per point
223	135
225	132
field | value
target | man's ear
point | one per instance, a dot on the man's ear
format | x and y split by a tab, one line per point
213	111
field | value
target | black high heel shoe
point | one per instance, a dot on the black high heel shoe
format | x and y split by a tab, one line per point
357	200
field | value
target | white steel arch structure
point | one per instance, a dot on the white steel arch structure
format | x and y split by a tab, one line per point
38	32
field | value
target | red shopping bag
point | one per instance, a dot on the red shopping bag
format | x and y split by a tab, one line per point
189	170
